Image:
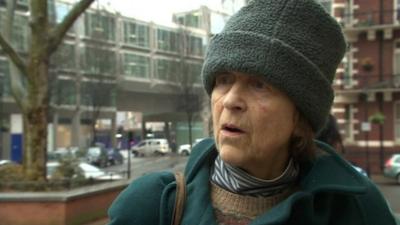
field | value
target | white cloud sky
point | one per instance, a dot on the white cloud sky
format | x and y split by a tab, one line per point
159	11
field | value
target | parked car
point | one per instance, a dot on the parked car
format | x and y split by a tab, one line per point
392	168
97	156
151	147
5	162
115	157
185	149
62	153
89	171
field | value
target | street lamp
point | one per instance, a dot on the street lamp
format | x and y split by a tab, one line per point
120	138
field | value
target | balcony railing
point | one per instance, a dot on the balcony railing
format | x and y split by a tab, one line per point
371	18
369	81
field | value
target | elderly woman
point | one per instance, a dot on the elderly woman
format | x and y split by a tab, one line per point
269	74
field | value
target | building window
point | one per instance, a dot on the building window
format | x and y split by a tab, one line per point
5	78
167	69
136	65
195	72
100	26
61	10
64	58
189	20
195	46
97	94
397	121
167	40
99	61
19	38
63	92
136	34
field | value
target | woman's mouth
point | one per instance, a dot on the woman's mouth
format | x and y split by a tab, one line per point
231	130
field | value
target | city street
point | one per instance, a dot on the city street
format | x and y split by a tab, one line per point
391	191
143	165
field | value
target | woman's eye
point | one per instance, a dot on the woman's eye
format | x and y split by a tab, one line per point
259	85
223	79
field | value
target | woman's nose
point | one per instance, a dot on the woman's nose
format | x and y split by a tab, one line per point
234	98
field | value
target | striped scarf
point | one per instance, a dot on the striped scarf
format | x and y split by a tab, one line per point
239	181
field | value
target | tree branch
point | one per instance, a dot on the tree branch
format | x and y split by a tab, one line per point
17	89
13	55
61	29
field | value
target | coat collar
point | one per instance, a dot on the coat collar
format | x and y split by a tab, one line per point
327	173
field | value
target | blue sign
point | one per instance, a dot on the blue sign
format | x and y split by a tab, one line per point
16	147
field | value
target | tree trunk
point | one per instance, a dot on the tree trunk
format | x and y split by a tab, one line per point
35	122
33	98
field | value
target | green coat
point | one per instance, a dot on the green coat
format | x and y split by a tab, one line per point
331	192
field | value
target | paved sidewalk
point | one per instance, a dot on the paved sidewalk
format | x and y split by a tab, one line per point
380	179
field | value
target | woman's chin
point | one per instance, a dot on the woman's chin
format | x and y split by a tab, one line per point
231	155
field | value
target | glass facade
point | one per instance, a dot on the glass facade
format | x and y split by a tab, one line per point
64	58
189	20
167	69
136	65
195	72
171	70
167	40
63	92
195	46
136	34
19	32
61	10
99	61
5	78
98	94
100	26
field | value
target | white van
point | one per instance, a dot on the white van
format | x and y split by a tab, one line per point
150	147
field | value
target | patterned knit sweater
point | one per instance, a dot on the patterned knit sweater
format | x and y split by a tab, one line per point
235	209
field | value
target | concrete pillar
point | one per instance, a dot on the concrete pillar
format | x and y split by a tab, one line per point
54	130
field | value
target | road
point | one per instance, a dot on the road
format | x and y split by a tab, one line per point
391	190
143	165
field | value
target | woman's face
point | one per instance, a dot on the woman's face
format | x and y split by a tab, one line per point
252	123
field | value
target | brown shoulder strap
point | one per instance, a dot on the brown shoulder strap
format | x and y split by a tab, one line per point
179	199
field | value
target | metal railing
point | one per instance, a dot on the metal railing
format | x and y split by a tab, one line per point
369	81
371	18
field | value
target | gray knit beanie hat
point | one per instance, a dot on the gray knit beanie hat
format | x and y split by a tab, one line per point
294	44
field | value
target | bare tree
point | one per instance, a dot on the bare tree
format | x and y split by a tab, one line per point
33	97
100	84
185	80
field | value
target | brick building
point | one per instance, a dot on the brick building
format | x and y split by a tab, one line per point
367	101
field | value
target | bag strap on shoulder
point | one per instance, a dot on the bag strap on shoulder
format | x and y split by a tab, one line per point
179	199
